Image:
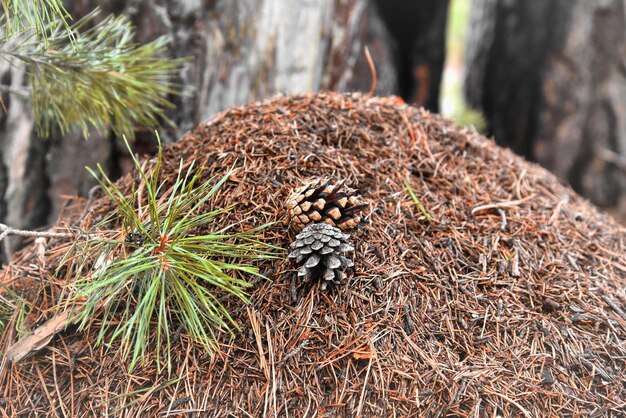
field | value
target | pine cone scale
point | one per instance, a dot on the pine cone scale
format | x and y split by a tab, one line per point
312	261
323	201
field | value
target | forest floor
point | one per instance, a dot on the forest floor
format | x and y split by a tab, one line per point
509	302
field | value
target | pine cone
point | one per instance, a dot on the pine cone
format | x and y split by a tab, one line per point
321	249
324	201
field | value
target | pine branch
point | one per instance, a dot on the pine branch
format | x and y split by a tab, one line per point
97	77
160	260
38	15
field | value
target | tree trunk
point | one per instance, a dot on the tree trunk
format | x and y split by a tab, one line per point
550	76
419	29
242	51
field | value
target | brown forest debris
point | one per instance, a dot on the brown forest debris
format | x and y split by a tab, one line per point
510	304
38	339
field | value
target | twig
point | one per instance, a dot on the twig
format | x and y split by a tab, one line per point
513	402
614	306
367	374
595	369
90	198
24	93
507	204
7	230
295	351
557	210
459	392
612	157
409	325
370	62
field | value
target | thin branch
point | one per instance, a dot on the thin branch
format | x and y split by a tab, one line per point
615	306
7	230
370	62
23	93
90	198
507	204
38	339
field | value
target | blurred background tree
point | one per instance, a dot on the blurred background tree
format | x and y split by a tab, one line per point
548	76
418	29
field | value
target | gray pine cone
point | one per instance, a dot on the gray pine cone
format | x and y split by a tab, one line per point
321	250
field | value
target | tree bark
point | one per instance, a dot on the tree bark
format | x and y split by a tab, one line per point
241	51
347	68
419	30
550	76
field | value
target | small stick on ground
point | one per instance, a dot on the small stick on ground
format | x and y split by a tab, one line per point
614	306
7	230
507	204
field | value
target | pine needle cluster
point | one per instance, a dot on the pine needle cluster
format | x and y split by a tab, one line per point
158	270
39	15
88	74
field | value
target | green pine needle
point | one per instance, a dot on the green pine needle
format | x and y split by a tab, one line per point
97	76
417	202
42	16
157	271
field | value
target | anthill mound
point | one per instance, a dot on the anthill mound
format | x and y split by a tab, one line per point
510	302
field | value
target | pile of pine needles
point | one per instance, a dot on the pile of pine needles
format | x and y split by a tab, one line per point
482	286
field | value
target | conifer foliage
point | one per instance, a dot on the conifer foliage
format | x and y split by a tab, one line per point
86	74
168	263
